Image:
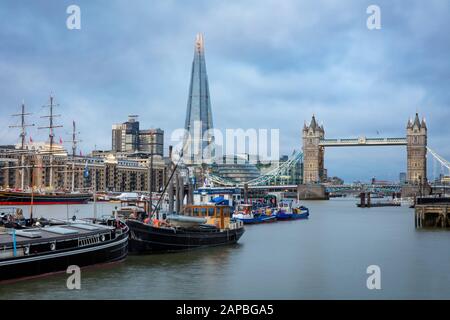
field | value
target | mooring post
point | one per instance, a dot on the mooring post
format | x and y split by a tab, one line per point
415	218
444	217
14	242
177	195
181	191
171	168
246	193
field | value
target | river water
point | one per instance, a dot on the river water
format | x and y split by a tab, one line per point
324	257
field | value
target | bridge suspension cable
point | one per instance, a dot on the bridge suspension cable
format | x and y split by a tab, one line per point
440	159
263	179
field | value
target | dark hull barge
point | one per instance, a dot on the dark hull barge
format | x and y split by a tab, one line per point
199	226
145	238
37	251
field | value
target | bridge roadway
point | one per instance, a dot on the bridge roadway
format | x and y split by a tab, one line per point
363	141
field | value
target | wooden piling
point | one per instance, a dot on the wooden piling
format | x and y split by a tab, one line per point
432	215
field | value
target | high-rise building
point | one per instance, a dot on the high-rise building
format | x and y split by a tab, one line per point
125	136
151	141
402	177
128	138
198	143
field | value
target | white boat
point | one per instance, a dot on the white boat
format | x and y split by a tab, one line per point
184	221
127	196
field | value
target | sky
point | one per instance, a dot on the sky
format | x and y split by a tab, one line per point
270	64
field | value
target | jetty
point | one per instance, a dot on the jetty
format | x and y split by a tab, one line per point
367	202
432	212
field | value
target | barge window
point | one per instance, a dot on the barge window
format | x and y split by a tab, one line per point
203	212
195	214
226	212
211	212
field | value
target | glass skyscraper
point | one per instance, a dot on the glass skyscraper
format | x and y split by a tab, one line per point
199	139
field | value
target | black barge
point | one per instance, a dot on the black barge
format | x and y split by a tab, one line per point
36	251
154	236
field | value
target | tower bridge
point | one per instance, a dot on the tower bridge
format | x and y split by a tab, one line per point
314	144
312	157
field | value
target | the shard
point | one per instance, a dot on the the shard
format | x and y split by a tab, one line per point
199	139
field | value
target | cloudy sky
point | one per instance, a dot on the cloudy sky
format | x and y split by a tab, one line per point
271	64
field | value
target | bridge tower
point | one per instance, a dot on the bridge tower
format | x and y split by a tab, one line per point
313	153
416	136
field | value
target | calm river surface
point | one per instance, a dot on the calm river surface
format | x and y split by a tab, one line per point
325	257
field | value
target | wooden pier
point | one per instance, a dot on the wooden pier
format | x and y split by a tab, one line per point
366	202
433	215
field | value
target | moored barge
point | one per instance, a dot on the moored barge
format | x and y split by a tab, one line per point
153	236
36	251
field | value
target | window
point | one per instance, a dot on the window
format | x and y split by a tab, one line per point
211	212
195	213
203	212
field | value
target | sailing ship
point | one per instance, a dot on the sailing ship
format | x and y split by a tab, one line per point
28	195
45	198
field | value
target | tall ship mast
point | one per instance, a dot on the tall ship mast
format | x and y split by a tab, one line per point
74	152
51	126
23	135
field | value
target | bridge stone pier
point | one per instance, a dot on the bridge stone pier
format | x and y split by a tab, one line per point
314	144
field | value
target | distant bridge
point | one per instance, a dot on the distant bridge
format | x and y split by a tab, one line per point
386	188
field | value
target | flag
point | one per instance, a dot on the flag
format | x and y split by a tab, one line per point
81	154
60	140
86	170
31	140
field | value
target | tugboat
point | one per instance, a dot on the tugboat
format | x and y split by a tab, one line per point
199	226
51	246
249	216
289	210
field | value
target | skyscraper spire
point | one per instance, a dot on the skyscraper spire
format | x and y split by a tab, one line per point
198	142
199	43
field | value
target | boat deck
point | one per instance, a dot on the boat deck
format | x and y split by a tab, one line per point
46	234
